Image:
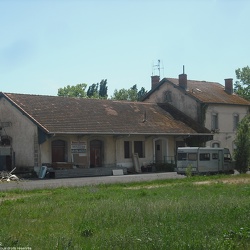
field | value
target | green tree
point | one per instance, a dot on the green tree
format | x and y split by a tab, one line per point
242	84
131	94
242	143
73	91
98	90
121	94
141	93
103	89
93	91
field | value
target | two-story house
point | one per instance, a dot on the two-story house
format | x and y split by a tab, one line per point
211	104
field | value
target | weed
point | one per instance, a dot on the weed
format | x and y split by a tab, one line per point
189	170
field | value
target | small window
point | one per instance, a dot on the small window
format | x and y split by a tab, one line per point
204	157
182	156
236	120
215	145
215	123
192	157
139	148
168	96
227	157
215	156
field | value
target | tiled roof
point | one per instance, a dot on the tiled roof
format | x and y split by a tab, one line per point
94	116
206	92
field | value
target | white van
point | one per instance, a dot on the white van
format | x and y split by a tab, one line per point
204	160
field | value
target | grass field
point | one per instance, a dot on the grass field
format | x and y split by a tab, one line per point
191	213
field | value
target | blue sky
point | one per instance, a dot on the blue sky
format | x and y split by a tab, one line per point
49	44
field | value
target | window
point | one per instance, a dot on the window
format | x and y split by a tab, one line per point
215	145
192	157
127	149
227	157
182	156
215	156
236	120
215	123
168	96
139	148
204	157
5	140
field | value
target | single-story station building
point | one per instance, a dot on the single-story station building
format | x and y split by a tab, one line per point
79	133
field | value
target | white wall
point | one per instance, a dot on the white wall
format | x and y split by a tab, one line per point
226	134
22	131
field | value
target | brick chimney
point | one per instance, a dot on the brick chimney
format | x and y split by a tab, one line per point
229	86
154	81
183	81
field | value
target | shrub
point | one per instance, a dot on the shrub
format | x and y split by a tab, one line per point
242	143
189	170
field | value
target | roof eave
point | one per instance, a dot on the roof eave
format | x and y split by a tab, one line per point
123	133
24	112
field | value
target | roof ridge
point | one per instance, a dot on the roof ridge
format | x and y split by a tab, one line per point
191	80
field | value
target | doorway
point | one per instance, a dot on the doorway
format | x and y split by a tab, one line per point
95	153
160	151
58	151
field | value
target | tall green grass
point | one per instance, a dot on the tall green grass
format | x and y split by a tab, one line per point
170	214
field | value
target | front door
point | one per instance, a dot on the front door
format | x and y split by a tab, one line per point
58	151
95	153
158	151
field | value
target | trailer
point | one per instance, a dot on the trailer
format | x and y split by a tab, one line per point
204	160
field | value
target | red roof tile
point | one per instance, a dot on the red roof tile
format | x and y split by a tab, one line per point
89	116
205	92
210	92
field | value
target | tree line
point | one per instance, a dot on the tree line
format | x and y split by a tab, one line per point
100	91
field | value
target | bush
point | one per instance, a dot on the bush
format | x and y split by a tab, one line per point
242	143
189	170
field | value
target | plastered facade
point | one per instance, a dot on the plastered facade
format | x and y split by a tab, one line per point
177	98
225	135
29	153
23	134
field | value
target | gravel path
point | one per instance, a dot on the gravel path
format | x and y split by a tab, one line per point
85	181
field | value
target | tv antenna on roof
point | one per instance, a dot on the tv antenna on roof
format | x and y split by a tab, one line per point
157	67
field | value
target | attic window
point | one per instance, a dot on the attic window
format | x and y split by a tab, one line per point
168	96
215	145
